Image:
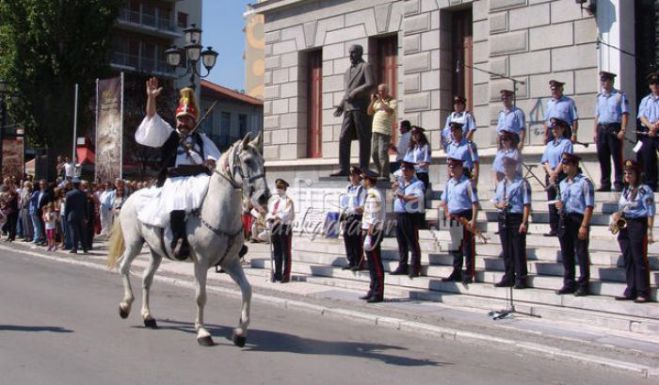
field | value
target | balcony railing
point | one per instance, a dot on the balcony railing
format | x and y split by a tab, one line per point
143	64
147	20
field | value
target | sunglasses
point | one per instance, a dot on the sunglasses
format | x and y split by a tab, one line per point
565	161
506	138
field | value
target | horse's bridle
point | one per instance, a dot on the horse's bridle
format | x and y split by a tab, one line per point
228	171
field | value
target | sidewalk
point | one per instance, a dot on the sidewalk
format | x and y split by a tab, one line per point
518	333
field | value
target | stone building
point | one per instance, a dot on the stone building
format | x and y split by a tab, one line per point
428	51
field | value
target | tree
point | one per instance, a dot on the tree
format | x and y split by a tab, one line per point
46	47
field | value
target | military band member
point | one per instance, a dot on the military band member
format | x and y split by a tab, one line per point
648	114
186	157
280	216
372	224
461	201
419	153
551	162
408	207
507	149
352	208
577	199
512	119
462	116
637	207
611	117
561	107
513	201
461	148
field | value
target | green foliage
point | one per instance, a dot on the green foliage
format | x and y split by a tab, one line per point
46	47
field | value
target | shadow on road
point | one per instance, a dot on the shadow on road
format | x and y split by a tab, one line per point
269	341
20	328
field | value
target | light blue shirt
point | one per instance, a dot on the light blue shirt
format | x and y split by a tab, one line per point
649	108
639	206
464	150
517	194
353	198
611	107
512	120
577	194
554	151
468	124
459	195
563	108
497	164
418	154
416	188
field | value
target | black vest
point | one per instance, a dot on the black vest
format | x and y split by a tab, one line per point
169	150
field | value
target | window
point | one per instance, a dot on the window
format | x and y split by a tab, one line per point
463	48
242	125
386	68
225	130
182	20
314	103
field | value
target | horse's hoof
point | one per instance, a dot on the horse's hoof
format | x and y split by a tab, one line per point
205	341
239	340
123	313
150	323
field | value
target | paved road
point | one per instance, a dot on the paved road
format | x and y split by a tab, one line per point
59	325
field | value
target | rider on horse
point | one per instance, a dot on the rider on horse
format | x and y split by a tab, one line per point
187	156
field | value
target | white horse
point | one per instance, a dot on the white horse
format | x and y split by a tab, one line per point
215	234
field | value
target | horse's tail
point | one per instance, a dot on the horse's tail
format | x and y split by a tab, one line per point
116	244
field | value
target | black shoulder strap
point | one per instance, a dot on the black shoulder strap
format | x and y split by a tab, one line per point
200	143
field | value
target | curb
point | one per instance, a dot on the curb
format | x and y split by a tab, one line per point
391	323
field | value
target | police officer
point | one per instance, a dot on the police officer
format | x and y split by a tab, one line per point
372	224
408	207
637	207
511	118
551	162
352	207
561	107
648	114
611	116
513	202
462	116
461	202
577	199
280	216
461	148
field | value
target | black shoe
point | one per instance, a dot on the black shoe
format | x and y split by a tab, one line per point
520	285
339	173
503	283
453	278
467	279
181	250
375	299
73	251
581	292
366	296
243	251
85	251
400	270
566	290
604	189
414	274
623	298
552	233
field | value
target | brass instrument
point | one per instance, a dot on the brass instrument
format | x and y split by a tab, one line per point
618	225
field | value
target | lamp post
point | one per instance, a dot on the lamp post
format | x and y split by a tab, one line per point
192	53
3	120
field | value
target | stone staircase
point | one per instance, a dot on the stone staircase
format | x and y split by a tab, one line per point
320	260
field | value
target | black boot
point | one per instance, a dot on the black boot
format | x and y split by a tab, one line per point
180	246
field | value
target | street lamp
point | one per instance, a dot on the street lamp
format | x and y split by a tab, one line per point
193	53
3	119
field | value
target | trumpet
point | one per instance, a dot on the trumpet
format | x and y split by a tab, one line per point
616	226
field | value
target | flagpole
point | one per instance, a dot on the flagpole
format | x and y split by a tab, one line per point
75	124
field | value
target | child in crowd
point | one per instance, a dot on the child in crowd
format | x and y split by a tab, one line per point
50	223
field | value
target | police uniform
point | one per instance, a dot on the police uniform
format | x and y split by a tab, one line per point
609	111
421	157
647	155
373	219
465	118
502	152
637	206
511	120
460	198
516	195
465	151
408	220
552	156
563	108
352	204
576	195
281	213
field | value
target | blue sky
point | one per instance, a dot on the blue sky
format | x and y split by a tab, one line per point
222	26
